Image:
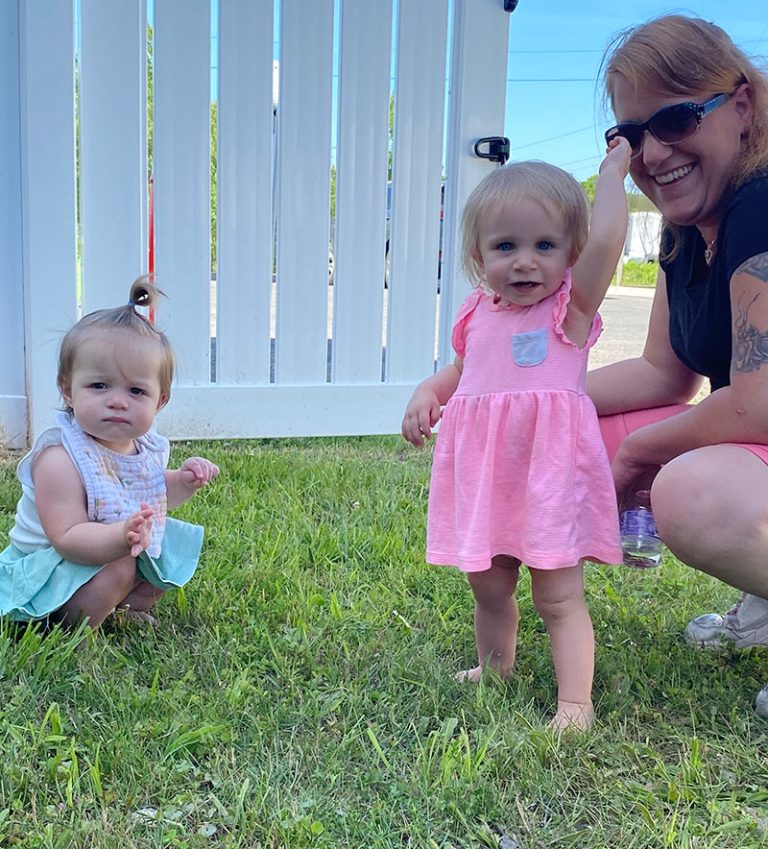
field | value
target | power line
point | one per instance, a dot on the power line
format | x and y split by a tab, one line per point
577	161
512	50
551	80
553	138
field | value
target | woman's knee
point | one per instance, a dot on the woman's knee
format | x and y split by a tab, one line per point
703	498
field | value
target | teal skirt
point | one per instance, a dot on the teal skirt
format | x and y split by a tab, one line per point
32	586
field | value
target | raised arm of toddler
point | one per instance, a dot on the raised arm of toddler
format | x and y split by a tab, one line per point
594	268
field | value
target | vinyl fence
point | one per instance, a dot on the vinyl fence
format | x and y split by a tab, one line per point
373	107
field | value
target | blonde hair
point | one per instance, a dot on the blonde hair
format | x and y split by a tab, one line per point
678	55
143	294
554	188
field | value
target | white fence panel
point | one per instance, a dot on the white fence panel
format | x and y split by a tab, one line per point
478	84
273	197
228	412
13	401
113	149
303	203
244	176
46	59
361	189
182	118
417	173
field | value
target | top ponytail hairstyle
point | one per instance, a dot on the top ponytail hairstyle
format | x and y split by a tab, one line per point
142	295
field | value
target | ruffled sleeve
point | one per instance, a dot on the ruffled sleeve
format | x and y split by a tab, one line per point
562	299
459	334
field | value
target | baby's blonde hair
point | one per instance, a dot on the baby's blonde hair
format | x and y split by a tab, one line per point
555	189
143	294
682	56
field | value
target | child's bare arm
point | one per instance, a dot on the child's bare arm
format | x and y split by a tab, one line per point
184	482
61	503
423	410
594	269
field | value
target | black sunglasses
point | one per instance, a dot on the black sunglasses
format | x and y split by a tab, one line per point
669	125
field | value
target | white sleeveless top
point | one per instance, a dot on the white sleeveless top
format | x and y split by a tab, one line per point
115	484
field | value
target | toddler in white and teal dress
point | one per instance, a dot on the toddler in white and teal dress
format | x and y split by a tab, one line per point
91	532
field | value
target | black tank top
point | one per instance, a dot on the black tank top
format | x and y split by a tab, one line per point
700	329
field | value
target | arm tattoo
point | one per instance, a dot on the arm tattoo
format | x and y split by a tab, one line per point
750	345
756	266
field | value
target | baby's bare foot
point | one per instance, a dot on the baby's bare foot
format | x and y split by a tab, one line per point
575	716
471	676
141	616
126	614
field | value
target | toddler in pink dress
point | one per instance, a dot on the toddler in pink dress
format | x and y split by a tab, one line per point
520	473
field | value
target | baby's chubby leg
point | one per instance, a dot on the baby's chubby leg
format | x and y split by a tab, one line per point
559	597
99	597
496	617
141	597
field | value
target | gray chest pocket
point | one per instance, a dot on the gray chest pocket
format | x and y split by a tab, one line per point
530	349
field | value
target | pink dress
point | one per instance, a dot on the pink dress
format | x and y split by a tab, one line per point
520	467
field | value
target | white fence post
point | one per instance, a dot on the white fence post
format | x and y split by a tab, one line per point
478	85
303	201
417	175
13	401
244	175
182	118
113	148
48	175
361	189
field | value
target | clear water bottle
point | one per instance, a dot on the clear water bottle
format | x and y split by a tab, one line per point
639	538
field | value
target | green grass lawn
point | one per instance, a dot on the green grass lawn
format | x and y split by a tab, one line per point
639	274
299	692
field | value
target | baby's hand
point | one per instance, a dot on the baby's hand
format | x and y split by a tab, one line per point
421	415
137	530
617	155
197	472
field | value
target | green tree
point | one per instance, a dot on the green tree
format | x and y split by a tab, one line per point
589	187
636	200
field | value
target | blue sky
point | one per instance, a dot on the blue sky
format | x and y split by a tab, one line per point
553	109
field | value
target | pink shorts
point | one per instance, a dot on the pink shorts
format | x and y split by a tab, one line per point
615	428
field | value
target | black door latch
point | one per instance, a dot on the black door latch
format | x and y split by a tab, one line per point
495	148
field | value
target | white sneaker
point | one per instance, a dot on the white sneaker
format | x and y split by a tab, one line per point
761	703
745	625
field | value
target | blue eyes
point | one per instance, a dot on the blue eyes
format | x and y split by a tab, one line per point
136	391
544	245
98	386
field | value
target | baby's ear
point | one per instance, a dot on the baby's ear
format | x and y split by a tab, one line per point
162	402
66	393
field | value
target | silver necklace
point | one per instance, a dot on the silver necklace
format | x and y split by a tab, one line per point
709	252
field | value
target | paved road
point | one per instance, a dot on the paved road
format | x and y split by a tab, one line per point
625	313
